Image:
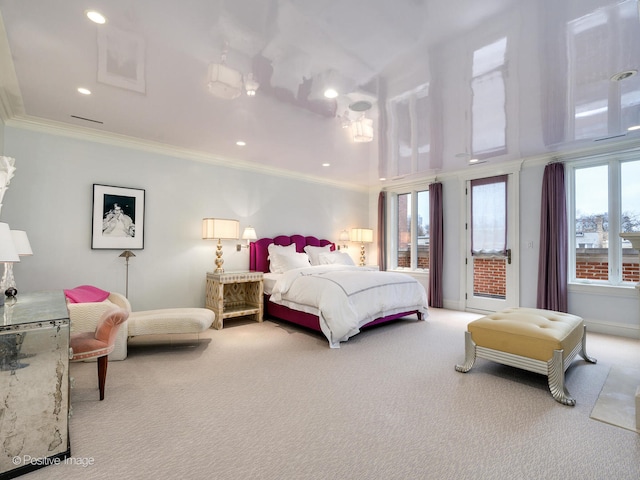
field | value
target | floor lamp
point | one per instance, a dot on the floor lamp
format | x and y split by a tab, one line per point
127	254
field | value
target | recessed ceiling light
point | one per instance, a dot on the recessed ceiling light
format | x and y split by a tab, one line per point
634	127
96	17
241	143
330	93
382	179
473	160
84	91
326	164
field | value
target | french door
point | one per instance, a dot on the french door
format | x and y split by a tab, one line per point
491	243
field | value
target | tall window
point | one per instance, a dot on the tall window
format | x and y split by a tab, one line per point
606	202
489	236
412	231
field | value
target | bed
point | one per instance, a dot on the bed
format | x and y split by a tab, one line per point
308	283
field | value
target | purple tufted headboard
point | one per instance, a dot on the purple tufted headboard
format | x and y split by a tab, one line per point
259	254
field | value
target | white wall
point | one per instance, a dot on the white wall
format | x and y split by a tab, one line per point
51	198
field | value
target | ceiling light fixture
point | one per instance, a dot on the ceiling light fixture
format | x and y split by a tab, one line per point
362	130
241	143
96	17
634	127
227	83
84	91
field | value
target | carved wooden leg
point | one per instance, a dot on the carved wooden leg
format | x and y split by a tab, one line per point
102	374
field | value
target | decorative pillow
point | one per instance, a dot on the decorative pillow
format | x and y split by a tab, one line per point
289	261
335	258
313	253
85	293
273	249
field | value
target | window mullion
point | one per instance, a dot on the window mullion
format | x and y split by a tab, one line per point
414	229
615	245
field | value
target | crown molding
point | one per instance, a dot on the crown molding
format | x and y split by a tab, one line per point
51	127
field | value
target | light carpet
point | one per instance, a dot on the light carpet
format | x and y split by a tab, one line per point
616	403
271	401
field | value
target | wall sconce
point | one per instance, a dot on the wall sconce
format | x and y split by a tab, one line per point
248	234
362	235
220	228
344	237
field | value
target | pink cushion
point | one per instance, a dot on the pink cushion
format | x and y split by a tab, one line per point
86	293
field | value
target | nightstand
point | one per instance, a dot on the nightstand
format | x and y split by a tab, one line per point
234	294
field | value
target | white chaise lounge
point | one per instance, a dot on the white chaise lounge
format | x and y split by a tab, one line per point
84	317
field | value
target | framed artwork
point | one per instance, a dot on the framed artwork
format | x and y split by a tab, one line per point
118	218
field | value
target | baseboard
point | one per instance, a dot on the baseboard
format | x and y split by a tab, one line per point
616	329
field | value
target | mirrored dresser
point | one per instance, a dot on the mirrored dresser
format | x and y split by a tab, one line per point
34	382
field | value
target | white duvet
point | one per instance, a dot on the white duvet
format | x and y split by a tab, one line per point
347	297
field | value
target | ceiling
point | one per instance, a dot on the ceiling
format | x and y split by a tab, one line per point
495	80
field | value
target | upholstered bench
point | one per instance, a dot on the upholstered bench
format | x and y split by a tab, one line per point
540	341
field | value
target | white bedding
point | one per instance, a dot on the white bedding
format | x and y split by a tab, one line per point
347	297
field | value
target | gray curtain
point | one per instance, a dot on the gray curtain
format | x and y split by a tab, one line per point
436	243
382	222
554	241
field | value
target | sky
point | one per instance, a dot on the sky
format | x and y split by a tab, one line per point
591	197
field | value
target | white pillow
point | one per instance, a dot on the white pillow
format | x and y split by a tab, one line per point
289	261
274	267
335	258
313	253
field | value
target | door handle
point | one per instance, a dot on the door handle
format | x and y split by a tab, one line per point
509	256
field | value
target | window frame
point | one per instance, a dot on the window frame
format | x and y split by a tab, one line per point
613	160
392	226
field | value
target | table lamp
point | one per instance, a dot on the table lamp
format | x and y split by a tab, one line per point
8	255
362	235
220	228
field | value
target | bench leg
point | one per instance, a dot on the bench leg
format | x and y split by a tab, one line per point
583	350
555	377
469	352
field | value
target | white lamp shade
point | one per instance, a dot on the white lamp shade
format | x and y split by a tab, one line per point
220	228
8	252
249	233
21	242
344	236
363	235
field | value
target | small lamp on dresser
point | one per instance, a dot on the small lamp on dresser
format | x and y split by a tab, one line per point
221	229
362	235
8	255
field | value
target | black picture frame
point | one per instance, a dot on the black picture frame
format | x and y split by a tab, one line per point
117	218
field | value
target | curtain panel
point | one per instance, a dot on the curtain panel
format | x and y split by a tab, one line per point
554	242
436	244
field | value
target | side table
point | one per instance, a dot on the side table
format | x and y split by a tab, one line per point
234	294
